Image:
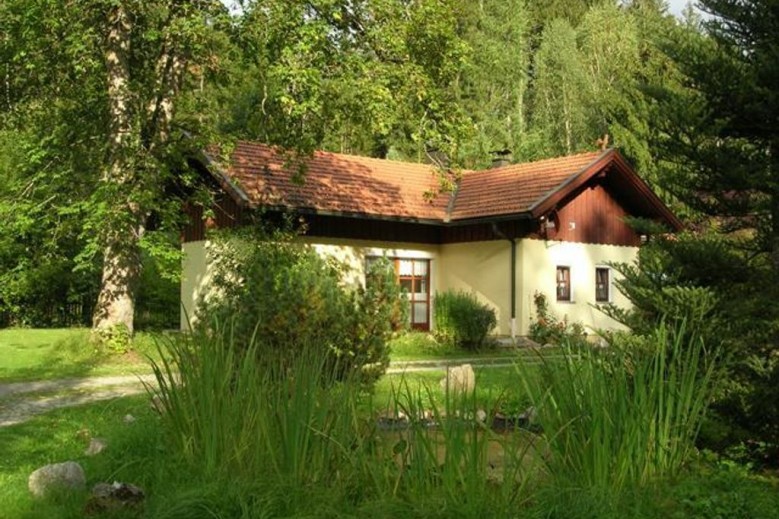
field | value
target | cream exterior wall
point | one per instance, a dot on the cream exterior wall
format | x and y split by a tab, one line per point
196	273
479	267
195	277
540	260
482	268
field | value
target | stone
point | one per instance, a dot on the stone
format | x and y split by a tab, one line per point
459	379
96	446
481	415
68	475
128	419
112	497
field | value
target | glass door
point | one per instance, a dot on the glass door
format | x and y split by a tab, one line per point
414	280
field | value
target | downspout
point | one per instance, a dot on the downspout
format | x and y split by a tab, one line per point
513	271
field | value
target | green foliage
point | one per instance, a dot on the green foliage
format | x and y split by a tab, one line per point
370	78
288	298
462	320
291	437
724	490
727	298
548	329
619	417
382	286
116	339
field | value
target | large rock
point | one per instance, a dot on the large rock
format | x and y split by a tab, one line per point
68	475
459	379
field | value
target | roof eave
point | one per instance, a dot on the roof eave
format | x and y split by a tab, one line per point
554	197
610	156
223	179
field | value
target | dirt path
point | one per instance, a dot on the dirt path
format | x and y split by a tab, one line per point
20	401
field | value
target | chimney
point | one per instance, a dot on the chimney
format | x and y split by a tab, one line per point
500	158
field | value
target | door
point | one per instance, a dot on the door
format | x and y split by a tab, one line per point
414	279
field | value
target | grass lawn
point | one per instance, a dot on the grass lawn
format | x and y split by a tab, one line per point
37	354
136	453
423	346
497	389
47	354
140	453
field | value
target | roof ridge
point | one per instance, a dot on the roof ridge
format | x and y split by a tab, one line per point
274	147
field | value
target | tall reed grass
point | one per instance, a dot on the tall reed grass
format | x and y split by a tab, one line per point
619	417
448	463
294	437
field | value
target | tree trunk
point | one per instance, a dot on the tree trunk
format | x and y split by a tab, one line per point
123	176
121	272
121	235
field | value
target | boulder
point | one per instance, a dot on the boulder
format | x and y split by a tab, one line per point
68	475
459	379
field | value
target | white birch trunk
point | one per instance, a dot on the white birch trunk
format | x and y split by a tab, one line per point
121	254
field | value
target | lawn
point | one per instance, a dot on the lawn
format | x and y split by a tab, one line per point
37	354
245	442
141	453
46	354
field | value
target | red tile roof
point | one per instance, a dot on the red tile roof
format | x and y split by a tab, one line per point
346	184
335	183
515	188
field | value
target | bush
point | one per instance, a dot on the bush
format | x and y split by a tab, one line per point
549	329
462	320
286	297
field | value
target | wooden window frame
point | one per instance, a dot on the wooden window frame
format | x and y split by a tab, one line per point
566	295
414	278
600	297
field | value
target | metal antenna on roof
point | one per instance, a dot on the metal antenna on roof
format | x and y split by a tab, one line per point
603	142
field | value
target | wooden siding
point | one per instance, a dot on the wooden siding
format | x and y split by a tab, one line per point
370	229
593	215
596	215
226	214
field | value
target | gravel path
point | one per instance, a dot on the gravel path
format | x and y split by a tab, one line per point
20	401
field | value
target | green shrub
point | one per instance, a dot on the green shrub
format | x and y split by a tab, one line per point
285	297
548	329
462	320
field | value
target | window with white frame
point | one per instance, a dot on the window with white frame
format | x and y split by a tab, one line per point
564	284
602	284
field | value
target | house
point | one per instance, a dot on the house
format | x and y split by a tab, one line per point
503	233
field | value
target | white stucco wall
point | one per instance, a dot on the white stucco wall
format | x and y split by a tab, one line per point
479	267
540	260
482	268
195	277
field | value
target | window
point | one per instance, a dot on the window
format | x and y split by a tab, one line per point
563	283
413	276
602	284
